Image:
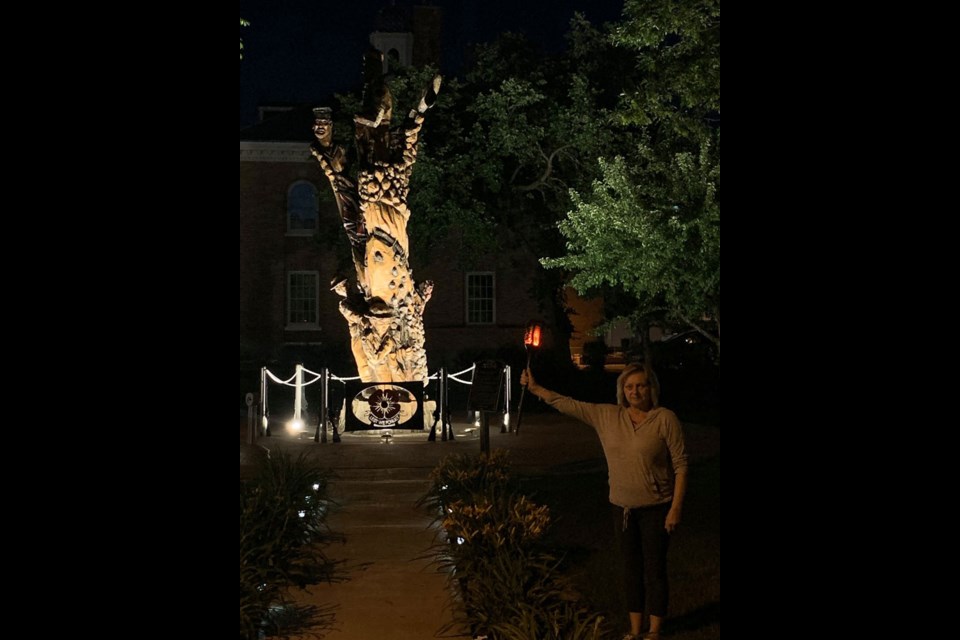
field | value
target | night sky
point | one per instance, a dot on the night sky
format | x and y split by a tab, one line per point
298	51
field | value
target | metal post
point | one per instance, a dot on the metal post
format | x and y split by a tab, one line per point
436	413
321	435
446	406
441	410
266	407
263	401
506	400
326	392
298	395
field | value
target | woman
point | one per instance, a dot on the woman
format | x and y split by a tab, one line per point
647	462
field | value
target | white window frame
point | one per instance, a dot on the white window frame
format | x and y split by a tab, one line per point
302	232
466	297
304	326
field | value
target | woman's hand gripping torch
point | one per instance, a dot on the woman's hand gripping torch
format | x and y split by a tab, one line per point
531	340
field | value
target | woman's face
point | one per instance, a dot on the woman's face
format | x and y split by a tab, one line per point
636	390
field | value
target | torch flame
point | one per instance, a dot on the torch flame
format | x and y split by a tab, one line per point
532	336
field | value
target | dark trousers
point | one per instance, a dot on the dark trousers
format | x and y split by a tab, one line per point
643	543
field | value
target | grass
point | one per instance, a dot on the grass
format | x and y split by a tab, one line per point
584	530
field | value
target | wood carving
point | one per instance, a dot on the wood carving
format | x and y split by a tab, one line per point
383	306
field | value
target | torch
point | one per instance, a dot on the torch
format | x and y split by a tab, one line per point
531	339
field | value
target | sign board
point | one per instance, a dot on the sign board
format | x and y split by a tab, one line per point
384	405
485	390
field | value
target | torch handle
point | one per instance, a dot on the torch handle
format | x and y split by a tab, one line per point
523	392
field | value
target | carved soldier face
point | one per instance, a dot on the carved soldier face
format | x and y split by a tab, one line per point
323	130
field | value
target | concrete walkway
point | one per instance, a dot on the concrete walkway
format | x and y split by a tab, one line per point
391	590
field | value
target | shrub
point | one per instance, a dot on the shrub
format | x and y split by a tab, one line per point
466	479
283	510
509	584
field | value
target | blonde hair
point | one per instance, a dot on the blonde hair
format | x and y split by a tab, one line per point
651	380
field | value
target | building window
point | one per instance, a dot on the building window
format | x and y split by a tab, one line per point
303	206
302	294
481	308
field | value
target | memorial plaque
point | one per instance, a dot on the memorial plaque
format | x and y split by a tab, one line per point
485	390
384	405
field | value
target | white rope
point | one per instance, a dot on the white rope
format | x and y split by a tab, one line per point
334	376
470	368
289	381
455	379
339	379
312	381
279	381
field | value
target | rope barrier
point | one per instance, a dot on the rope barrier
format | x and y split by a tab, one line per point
470	368
289	381
318	376
326	374
279	381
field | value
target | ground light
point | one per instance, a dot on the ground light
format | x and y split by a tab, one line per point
295	426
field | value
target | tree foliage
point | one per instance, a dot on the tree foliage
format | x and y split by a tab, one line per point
243	23
512	147
649	224
504	145
507	142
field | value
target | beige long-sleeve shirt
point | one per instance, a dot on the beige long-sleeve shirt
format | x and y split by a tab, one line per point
642	461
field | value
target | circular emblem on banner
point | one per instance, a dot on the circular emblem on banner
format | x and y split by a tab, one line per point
384	405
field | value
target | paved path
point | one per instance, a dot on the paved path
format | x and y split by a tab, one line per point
391	590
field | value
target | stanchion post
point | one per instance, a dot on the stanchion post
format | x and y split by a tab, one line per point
446	406
321	435
326	386
264	411
441	408
436	412
505	419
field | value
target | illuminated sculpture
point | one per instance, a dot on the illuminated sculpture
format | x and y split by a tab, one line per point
383	306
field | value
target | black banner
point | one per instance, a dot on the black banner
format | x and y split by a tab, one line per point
485	390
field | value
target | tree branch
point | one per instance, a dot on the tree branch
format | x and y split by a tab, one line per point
706	334
542	180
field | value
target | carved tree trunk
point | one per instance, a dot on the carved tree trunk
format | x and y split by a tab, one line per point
383	306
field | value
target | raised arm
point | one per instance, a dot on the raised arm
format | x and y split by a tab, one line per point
411	128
